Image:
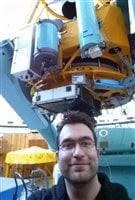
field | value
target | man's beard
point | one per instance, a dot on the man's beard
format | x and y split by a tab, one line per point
82	180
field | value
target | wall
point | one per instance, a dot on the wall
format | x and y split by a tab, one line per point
14	141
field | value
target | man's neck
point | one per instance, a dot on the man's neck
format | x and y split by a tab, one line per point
87	191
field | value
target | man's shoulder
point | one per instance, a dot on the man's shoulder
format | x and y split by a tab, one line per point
116	190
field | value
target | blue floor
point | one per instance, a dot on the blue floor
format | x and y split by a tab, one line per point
7	188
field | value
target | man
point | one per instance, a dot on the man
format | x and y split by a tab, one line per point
78	163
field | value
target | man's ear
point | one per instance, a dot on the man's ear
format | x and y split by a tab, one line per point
98	152
57	155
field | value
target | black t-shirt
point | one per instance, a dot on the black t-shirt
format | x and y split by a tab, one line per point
111	191
108	191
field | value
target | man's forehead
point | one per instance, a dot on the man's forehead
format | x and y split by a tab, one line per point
75	131
80	138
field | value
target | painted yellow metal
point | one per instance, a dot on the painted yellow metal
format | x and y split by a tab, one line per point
114	64
45	5
70	39
104	2
93	72
114	33
70	60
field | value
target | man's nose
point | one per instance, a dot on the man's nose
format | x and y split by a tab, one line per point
78	151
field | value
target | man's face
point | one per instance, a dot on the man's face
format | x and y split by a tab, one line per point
78	162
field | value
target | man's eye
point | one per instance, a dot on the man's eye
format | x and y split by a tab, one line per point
68	145
86	143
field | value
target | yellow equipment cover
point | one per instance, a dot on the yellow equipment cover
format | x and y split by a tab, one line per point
31	155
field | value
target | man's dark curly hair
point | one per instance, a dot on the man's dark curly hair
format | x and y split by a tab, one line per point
73	117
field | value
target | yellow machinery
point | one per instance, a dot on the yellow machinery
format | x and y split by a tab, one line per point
87	57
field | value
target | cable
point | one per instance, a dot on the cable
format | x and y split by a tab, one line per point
108	166
17	175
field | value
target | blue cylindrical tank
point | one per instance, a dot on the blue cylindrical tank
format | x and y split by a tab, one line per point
89	34
46	43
